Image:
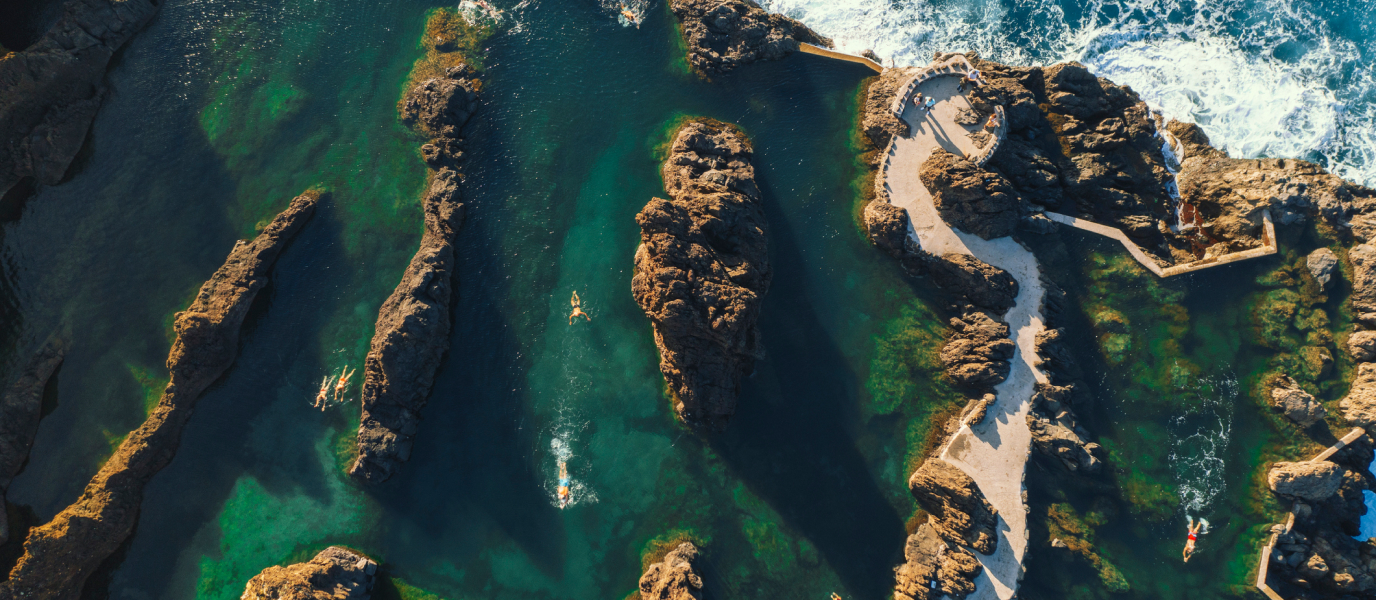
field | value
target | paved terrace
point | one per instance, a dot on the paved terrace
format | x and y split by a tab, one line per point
995	451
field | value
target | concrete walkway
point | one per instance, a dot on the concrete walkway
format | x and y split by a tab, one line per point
994	452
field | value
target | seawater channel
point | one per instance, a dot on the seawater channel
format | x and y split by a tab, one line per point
222	111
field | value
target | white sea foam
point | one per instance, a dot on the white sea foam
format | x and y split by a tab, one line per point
1199	441
1262	77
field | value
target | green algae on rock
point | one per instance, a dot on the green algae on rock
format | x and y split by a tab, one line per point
1075	532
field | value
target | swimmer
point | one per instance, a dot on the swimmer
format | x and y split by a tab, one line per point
577	309
323	397
630	16
343	382
835	596
1195	530
564	495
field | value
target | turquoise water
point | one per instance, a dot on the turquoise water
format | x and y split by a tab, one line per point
804	495
222	111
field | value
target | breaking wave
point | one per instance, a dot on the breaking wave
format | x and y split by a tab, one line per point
1264	78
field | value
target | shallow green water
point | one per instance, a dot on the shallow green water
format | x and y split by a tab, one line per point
224	110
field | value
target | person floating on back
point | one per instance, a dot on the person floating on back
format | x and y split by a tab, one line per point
577	309
343	383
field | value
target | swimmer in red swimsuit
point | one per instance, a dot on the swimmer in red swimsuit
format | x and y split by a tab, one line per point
1194	534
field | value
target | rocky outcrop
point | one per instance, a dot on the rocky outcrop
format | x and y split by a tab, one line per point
702	270
933	569
977	353
978	282
50	92
887	226
1322	263
20	409
1056	432
1363	259
970	198
336	573
1359	406
1231	193
959	512
1318	557
413	325
1361	345
876	118
1312	480
1297	405
60	555
724	34
674	578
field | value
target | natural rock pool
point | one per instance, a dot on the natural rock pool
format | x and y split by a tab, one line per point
222	111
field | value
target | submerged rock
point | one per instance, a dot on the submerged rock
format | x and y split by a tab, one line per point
724	34
959	511
1322	263
970	198
702	270
413	325
50	92
60	555
1311	480
933	569
336	573
1298	405
673	578
20	409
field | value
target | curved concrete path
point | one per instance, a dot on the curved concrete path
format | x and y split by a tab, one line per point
994	452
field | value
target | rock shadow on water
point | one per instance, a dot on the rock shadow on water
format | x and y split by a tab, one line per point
791	438
472	469
218	445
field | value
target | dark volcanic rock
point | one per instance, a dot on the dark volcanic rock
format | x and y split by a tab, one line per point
60	555
20	410
1056	433
409	340
1311	480
702	270
959	511
724	34
335	573
978	351
1231	193
933	569
981	283
876	120
50	92
413	325
673	578
1298	405
970	198
887	226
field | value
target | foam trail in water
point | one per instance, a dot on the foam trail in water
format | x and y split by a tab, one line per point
1262	77
1199	441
